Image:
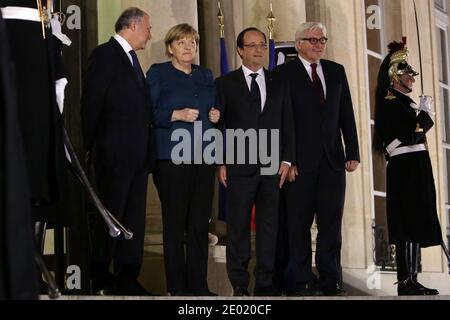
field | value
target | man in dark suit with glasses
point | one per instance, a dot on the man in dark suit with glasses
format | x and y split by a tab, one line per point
323	115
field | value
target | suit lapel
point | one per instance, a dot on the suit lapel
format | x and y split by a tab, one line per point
126	62
242	83
329	81
303	74
269	82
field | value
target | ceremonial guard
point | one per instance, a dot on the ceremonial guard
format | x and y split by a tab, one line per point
33	59
17	272
400	134
39	79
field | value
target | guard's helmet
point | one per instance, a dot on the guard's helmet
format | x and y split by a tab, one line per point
398	64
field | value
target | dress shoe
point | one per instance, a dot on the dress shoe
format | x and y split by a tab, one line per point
103	285
240	292
334	290
269	291
130	288
212	239
304	290
427	291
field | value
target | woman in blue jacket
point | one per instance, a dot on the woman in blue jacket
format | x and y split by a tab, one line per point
183	97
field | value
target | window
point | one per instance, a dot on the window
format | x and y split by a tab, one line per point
441	5
442	25
375	50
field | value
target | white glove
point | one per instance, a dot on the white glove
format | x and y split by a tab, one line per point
60	86
56	30
426	104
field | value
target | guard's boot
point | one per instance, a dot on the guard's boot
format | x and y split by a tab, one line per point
409	286
415	249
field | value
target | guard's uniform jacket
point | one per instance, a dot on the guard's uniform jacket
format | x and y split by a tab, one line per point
411	195
35	67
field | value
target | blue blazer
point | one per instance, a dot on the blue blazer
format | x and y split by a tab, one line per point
172	89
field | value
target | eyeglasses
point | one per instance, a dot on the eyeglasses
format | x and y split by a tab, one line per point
314	41
254	46
186	43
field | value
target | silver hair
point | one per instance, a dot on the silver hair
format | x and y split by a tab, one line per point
307	26
129	16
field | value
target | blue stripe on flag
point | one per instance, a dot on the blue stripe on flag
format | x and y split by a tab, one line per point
272	60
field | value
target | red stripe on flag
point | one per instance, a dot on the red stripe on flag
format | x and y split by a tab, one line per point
253	224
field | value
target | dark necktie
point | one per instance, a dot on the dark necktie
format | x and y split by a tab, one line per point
255	92
137	67
317	83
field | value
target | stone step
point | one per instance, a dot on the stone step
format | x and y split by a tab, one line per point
348	298
153	224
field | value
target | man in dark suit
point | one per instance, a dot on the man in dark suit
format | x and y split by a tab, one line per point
116	126
323	115
251	100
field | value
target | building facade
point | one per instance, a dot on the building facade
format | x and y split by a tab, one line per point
359	31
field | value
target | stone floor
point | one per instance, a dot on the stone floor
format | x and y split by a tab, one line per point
153	279
348	298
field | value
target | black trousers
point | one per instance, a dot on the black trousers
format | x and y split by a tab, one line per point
242	193
282	277
186	193
123	191
320	192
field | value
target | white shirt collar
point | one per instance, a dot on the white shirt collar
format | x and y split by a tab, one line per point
307	64
248	72
123	43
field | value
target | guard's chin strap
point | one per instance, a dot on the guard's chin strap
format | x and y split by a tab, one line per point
409	90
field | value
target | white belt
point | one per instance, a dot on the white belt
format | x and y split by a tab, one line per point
393	145
21	13
408	149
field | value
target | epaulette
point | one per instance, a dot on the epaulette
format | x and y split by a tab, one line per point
390	96
418	128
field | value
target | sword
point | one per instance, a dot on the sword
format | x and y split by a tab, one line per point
444	247
115	227
420	48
